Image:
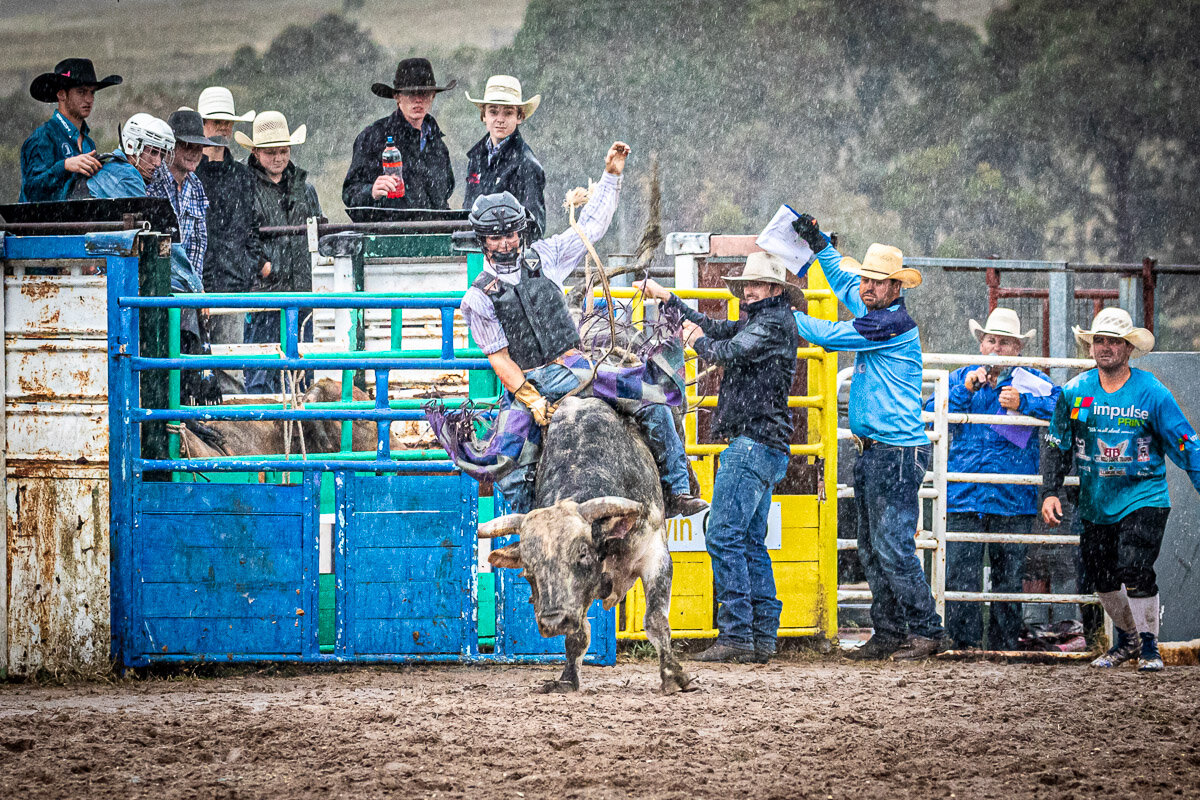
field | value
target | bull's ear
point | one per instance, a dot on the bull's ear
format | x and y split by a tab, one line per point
508	556
615	526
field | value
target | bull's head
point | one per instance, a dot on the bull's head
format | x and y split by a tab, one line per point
562	549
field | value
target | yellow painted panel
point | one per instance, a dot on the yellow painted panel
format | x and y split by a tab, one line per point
797	586
691	592
800	527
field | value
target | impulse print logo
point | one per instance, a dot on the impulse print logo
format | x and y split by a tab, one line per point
1081	408
1184	440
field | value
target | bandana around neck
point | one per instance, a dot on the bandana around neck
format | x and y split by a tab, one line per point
885	323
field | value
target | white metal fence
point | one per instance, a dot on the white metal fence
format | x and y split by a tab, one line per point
934	536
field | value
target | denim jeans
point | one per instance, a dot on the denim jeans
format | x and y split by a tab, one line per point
886	482
262	327
553	381
736	534
964	573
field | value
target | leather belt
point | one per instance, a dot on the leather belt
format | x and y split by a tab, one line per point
864	443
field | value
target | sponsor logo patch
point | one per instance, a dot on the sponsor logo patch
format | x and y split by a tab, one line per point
1081	407
1112	454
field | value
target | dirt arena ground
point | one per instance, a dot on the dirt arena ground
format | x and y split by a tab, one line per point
799	727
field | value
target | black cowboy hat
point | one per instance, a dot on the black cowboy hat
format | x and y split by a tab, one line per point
68	73
188	126
412	75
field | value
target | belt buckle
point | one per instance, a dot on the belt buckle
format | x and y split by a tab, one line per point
858	443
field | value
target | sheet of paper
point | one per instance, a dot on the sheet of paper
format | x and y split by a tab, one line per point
779	238
1025	382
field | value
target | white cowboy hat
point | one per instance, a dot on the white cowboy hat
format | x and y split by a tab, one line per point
216	102
271	130
882	262
1117	323
1001	322
764	268
505	90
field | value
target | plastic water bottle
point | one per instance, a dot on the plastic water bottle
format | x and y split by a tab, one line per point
393	164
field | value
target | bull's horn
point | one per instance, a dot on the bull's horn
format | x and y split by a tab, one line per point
609	506
500	526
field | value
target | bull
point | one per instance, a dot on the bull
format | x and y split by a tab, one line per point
597	526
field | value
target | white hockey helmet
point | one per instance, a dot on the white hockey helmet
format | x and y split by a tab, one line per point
142	130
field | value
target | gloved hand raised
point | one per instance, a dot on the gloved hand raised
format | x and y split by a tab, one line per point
528	394
808	229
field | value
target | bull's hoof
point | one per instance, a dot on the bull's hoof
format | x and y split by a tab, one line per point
556	687
679	682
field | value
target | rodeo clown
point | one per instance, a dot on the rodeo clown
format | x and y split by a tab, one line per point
1116	422
518	314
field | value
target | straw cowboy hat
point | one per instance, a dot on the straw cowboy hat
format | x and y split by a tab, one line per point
412	75
1001	322
505	90
1117	323
216	102
67	74
764	268
882	262
271	130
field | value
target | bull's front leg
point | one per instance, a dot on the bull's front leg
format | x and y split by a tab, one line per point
657	582
576	646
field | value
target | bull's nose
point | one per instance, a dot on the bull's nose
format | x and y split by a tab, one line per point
553	622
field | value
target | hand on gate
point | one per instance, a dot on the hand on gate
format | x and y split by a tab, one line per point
653	289
1052	511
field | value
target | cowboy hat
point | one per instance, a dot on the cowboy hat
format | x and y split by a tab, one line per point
67	74
188	127
216	102
271	130
412	75
764	268
1001	322
505	90
883	262
1117	323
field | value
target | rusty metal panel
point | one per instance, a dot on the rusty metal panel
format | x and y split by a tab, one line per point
58	571
57	432
55	306
56	369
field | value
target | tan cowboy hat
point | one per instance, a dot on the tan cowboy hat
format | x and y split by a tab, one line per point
764	268
505	90
216	102
882	262
1001	322
271	130
1117	323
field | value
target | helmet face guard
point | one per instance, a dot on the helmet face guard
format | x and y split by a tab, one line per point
142	131
500	215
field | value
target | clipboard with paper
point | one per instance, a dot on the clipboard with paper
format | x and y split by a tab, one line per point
1024	382
780	239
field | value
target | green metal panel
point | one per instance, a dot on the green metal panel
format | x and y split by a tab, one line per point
427	245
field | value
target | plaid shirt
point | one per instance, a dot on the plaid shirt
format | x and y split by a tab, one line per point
191	209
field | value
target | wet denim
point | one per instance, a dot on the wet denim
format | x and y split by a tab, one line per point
886	482
748	615
964	573
553	381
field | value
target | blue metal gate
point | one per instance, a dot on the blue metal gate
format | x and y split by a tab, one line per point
229	571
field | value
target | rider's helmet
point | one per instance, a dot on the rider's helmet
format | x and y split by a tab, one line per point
144	130
498	215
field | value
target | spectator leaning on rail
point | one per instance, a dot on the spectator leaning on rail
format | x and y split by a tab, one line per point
146	143
758	355
501	161
991	507
61	151
518	315
283	196
428	178
885	417
236	256
1116	423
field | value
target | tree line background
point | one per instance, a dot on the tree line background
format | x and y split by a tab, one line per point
1065	129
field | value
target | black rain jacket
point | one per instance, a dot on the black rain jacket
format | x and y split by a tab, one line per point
290	202
428	177
514	169
235	251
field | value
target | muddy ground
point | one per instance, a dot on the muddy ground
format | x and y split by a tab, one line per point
802	726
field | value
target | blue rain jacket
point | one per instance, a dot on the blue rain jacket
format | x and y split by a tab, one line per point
117	178
885	391
1119	441
979	448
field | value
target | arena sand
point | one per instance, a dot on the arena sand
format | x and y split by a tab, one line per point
797	728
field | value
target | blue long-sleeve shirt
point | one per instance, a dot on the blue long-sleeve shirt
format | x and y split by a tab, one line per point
885	391
1119	440
44	175
117	178
980	448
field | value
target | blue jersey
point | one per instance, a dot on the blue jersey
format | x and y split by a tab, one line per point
1119	440
885	391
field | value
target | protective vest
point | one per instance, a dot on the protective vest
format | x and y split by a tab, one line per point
533	314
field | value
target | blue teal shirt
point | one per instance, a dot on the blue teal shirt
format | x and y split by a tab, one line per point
117	178
980	448
885	391
44	175
1119	442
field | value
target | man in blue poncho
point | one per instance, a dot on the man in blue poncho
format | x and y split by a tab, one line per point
885	417
1116	423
